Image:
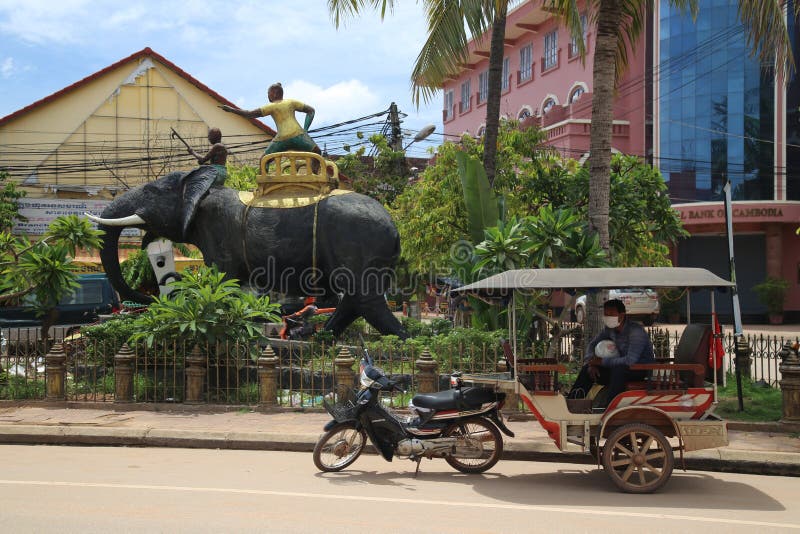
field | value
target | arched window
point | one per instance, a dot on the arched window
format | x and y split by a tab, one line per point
576	93
548	105
524	113
481	131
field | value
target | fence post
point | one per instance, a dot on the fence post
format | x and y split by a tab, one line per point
267	377
55	373
195	375
428	373
345	376
661	343
743	360
790	383
123	374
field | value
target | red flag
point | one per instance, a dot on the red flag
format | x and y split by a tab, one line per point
716	351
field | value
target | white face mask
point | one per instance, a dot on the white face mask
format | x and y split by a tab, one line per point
611	321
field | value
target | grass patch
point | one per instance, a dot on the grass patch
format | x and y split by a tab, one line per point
761	404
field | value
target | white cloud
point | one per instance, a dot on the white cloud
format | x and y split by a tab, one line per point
339	102
7	68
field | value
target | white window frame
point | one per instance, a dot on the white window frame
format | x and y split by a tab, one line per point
506	70
483	86
449	101
465	96
526	63
550	50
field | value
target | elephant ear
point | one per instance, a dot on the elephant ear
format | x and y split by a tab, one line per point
196	184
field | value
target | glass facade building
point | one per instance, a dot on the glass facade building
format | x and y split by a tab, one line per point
717	107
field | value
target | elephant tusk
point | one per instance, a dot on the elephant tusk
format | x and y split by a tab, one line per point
130	220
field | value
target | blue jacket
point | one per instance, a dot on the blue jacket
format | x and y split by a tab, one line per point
633	343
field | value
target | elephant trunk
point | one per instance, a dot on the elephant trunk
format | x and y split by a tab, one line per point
109	255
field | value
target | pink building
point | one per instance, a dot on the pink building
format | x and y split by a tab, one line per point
545	79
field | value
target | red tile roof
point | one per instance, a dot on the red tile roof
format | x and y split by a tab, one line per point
146	52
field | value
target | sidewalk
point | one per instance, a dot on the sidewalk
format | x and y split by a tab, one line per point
749	451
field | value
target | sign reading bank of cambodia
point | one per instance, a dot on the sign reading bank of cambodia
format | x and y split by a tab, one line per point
755	212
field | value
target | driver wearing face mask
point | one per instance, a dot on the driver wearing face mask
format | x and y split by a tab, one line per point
633	345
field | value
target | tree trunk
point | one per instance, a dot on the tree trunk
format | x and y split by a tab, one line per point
496	53
609	20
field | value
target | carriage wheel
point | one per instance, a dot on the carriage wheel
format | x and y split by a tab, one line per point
638	458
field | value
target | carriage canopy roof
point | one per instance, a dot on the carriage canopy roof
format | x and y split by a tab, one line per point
595	279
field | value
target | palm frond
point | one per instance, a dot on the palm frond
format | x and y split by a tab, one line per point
767	35
342	10
446	47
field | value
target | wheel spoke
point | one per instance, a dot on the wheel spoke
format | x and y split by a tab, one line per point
655	470
646	446
620	463
634	448
621	447
655	455
628	472
642	480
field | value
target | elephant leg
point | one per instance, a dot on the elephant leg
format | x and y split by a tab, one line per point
345	314
375	310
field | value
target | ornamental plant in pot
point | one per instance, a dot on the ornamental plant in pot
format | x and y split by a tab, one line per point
772	294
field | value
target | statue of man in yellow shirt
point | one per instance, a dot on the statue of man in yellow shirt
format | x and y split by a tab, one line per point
291	136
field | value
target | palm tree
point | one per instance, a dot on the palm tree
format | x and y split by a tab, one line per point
619	25
446	49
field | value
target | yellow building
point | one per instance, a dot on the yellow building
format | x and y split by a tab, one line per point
111	131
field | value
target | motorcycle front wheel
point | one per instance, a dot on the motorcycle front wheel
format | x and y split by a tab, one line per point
477	436
339	447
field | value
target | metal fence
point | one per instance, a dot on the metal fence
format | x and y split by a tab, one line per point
303	372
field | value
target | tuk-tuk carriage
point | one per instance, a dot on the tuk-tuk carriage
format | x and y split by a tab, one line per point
635	436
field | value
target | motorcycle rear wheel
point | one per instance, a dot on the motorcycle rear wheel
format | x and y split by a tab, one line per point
482	430
339	447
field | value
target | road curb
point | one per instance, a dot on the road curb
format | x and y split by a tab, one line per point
715	460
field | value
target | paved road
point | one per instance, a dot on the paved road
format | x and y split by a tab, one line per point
76	489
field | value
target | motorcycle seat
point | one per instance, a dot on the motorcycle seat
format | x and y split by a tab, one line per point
452	399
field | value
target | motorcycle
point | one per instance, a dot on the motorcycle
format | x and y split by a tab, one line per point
461	425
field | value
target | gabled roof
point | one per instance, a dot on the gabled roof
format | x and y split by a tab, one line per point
146	52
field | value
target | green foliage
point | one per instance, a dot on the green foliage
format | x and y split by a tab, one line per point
241	178
44	268
206	308
104	340
49	270
138	272
74	232
479	198
761	403
772	294
9	209
386	178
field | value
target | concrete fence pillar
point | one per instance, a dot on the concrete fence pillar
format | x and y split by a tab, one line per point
123	374
195	375
55	373
345	377
427	373
790	383
268	377
743	359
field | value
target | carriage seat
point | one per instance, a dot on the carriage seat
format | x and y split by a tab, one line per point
538	375
688	368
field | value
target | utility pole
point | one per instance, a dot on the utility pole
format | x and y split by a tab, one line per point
397	133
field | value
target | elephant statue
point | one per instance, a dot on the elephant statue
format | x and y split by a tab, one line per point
345	245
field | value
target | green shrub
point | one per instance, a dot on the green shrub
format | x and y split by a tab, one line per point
204	308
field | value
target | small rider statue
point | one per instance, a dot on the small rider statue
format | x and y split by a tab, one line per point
211	173
290	136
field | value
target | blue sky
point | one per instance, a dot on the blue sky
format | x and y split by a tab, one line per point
236	48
